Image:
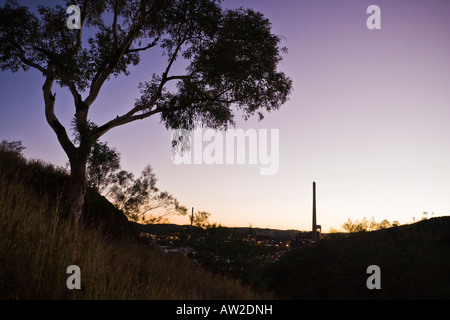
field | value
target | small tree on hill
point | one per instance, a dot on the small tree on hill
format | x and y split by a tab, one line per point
201	219
102	164
138	198
12	146
366	225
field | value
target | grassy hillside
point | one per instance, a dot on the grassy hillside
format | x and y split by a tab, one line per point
36	247
414	261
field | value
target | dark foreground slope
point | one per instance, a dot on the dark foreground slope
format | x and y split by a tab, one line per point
37	246
414	261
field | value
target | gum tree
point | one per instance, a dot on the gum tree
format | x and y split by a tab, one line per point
231	59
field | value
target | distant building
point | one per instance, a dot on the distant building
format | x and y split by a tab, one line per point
316	229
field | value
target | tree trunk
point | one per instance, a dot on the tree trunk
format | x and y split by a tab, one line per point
74	197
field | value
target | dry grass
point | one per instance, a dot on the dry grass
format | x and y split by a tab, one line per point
36	248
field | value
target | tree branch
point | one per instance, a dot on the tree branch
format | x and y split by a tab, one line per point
53	121
118	121
162	203
114	26
62	75
28	62
131	115
48	54
80	31
151	45
112	62
183	77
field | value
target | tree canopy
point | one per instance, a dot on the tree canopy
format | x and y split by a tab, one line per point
230	58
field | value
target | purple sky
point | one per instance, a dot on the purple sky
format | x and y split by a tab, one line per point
368	120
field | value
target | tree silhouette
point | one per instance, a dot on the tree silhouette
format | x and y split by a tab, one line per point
201	219
231	58
12	146
102	164
366	225
139	198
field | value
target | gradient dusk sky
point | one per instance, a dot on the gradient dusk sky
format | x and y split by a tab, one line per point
368	120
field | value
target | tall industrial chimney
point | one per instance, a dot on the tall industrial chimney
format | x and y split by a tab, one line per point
314	223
